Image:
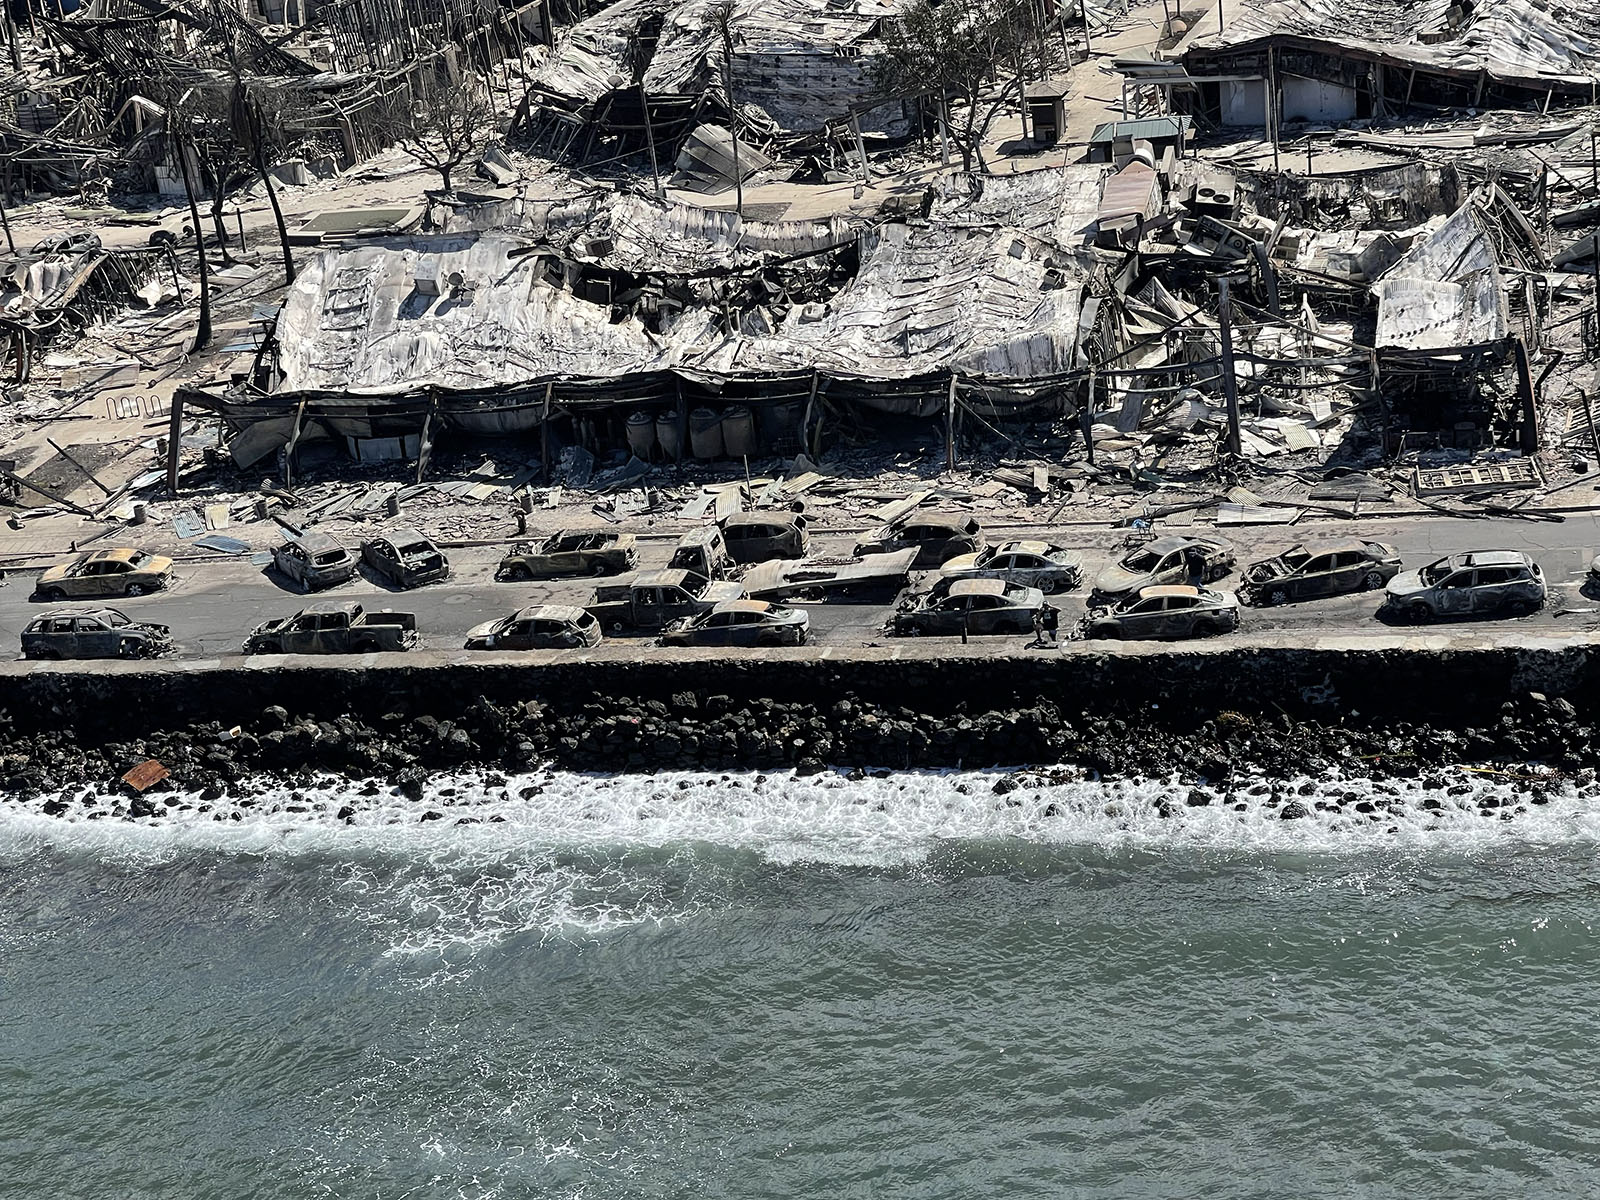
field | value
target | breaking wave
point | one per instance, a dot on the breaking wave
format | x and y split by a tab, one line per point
879	820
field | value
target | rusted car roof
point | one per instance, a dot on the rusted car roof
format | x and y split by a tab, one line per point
749	606
120	554
1169	589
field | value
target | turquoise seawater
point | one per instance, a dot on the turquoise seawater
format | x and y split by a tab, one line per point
891	988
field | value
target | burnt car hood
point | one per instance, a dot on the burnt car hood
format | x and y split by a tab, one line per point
1407	583
1116	580
1272	568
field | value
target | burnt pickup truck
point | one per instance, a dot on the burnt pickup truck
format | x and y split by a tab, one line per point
345	628
652	601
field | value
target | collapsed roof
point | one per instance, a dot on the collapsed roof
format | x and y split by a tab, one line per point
403	315
1445	292
474	311
1539	42
931	298
802	62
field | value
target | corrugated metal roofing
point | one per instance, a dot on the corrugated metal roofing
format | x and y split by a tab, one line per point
1150	128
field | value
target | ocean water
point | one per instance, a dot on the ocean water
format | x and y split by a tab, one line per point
685	986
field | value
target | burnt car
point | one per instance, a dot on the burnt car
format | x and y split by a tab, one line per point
335	628
741	623
318	560
103	633
405	558
936	537
978	607
1325	569
571	552
1481	583
753	537
1166	611
120	572
541	627
1189	560
1031	564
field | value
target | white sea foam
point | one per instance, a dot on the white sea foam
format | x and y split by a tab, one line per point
885	821
583	857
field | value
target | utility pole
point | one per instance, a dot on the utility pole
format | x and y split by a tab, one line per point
724	19
1230	383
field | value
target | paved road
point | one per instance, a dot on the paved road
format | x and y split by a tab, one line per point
214	604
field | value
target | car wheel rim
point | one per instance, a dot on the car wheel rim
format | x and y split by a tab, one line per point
1372	582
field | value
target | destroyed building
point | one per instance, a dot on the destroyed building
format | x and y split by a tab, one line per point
657	322
640	75
1344	60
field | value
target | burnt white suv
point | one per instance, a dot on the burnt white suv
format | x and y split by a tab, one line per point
1481	583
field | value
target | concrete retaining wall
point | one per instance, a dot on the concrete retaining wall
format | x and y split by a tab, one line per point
1439	680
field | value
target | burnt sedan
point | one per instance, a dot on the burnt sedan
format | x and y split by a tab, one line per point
1325	569
1166	613
936	537
974	606
541	627
405	558
1176	560
1031	564
741	623
571	552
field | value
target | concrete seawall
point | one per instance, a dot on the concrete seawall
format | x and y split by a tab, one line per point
1445	680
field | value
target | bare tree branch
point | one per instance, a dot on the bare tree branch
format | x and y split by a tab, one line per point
440	131
952	49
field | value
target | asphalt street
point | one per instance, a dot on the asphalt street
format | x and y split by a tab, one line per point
214	604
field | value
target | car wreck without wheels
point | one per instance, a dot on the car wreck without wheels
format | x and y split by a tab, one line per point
1165	612
571	552
345	628
1311	572
976	607
102	633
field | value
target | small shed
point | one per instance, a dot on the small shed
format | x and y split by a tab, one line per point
1047	110
1113	141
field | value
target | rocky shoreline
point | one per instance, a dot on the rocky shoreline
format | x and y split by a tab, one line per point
398	753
